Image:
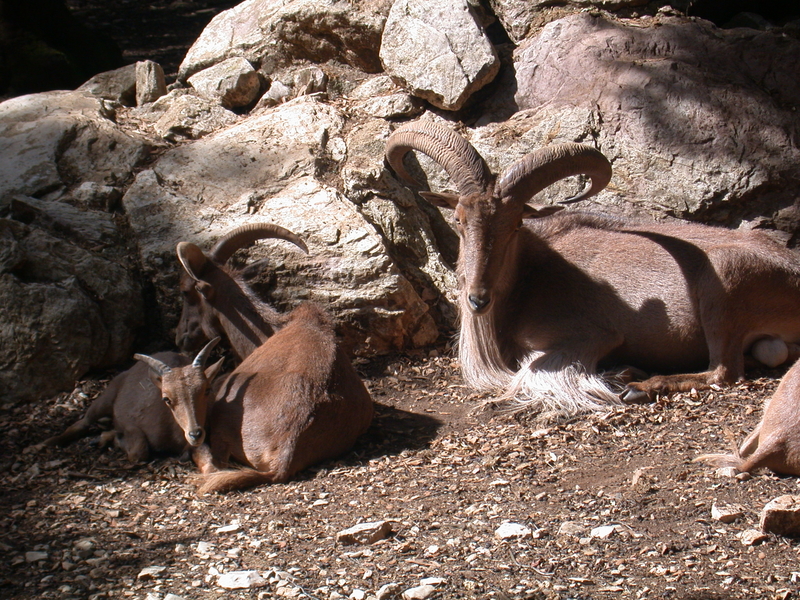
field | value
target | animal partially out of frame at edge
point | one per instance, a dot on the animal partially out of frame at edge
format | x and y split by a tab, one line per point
159	405
775	442
550	299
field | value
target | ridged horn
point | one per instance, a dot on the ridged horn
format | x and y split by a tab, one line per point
543	167
454	153
202	356
247	234
155	364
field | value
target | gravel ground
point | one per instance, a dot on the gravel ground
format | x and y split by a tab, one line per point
606	506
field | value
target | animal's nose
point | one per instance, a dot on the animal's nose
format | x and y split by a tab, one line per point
479	302
196	435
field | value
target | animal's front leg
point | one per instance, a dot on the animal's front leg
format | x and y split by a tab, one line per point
650	389
204	459
134	443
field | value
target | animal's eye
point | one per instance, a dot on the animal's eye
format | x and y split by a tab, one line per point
167	401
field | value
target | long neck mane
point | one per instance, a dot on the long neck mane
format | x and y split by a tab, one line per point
247	321
487	361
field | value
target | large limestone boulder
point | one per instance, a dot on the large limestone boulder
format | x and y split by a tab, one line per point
438	50
265	168
521	18
66	308
270	34
696	120
53	141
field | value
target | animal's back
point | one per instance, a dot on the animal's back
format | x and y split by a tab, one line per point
650	284
297	397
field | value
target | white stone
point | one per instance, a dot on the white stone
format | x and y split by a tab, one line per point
388	591
726	514
239	580
604	531
233	83
782	516
34	556
420	592
751	537
151	572
512	530
364	533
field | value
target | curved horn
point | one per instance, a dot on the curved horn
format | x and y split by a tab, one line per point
541	168
192	259
155	364
247	234
202	356
455	154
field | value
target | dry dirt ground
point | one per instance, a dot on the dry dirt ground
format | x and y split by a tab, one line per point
83	523
445	473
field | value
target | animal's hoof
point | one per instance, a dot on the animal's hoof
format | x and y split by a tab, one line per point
33	448
631	395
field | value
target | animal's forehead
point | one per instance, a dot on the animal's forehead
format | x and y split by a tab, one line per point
487	206
187	379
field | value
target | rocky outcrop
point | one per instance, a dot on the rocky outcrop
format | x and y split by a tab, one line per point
272	34
281	114
697	121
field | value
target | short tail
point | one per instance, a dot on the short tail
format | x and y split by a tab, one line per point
232	479
721	460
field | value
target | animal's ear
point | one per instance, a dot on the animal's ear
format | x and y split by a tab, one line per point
211	372
192	258
206	290
537	211
155	378
443	199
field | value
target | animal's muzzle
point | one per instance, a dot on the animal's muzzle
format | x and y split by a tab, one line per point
196	436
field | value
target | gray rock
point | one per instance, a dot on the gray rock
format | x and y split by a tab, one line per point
118	85
67	310
233	83
265	168
438	51
686	136
239	580
65	137
268	32
520	18
421	592
311	80
277	93
189	117
364	533
150	82
781	516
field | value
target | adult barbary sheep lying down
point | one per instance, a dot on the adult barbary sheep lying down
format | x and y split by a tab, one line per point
159	405
775	442
217	301
294	402
548	299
